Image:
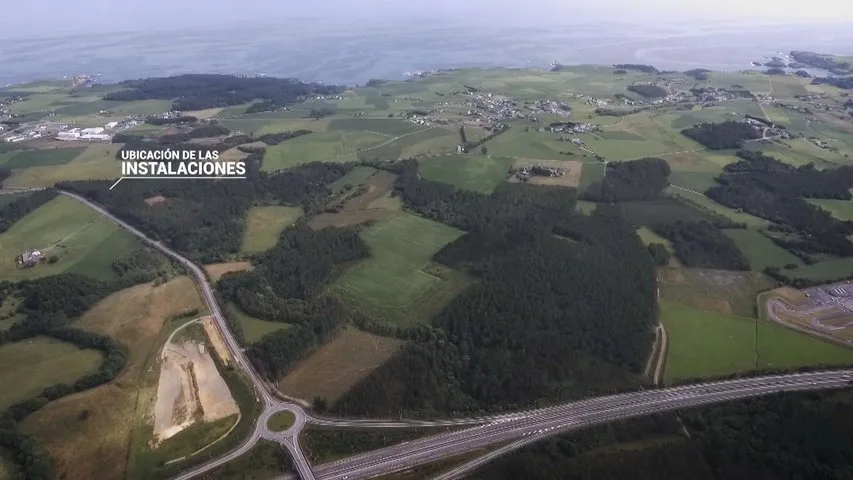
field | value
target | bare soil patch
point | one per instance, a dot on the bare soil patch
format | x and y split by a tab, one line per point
217	270
672	275
791	295
216	340
155	200
339	365
88	434
190	390
571	178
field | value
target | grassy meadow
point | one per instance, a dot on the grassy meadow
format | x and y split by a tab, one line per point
82	240
398	283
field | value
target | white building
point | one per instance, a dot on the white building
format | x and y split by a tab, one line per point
92	131
111	125
96	136
73	134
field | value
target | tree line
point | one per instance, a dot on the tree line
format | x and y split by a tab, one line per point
724	135
765	187
21	207
206	220
48	304
203	91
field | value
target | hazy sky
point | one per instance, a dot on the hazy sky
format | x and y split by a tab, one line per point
46	18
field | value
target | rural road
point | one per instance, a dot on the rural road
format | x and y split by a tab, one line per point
519	427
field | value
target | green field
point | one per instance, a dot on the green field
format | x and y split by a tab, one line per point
28	366
254	328
41	158
393	127
281	421
824	271
719	291
340	146
760	250
398	283
704	344
478	173
82	240
840	209
265	224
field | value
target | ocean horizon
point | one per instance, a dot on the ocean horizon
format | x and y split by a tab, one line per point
350	56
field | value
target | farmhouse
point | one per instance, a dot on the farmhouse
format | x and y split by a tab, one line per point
30	258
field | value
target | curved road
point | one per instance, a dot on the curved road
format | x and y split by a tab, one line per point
513	429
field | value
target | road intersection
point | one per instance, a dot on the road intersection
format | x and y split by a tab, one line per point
509	431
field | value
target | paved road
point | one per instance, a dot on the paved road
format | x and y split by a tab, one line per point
520	428
532	426
270	404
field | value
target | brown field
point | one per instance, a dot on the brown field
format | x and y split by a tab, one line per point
336	367
217	270
155	200
379	184
718	305
572	177
346	219
89	434
208	113
791	295
373	205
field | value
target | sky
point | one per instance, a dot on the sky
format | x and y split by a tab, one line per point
49	18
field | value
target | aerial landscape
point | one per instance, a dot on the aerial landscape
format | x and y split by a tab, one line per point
569	270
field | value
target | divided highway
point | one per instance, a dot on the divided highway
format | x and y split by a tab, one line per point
512	430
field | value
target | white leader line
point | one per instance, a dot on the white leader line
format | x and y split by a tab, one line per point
177	178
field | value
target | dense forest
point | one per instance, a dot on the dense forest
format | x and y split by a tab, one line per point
20	207
765	187
550	316
698	73
206	220
805	436
845	83
702	245
817	60
719	136
643	179
633	66
202	91
648	91
276	138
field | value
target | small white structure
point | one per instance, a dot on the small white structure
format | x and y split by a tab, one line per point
111	125
92	131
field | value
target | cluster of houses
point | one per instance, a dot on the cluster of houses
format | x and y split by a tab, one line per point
533	170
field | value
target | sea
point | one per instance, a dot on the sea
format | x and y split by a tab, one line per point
351	56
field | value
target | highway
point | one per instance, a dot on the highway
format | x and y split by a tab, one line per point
528	427
511	430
